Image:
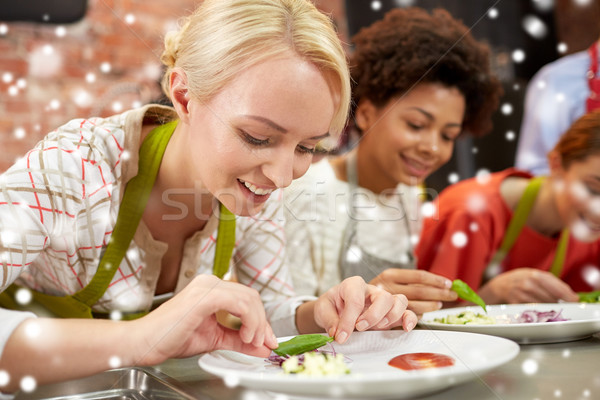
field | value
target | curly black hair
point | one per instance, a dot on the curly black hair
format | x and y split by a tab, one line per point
411	46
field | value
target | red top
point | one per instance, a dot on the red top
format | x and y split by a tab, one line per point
476	211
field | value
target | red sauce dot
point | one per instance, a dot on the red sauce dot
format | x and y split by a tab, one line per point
412	361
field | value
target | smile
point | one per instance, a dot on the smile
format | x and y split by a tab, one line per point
256	190
417	168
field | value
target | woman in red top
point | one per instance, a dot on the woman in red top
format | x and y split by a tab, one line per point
520	239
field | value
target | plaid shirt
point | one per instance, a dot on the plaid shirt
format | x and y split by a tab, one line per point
58	207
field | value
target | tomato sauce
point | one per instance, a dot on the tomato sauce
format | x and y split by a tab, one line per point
412	361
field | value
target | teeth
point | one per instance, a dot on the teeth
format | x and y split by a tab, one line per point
257	190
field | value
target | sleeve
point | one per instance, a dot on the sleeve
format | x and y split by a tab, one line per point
259	262
547	115
457	246
41	201
24	229
10	321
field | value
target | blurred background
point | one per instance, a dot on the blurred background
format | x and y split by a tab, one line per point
64	59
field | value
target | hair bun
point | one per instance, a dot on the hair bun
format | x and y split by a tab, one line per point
169	55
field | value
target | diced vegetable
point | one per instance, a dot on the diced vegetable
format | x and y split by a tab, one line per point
316	364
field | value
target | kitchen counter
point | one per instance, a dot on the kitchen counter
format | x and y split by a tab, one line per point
568	370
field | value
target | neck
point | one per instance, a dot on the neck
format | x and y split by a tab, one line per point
369	176
544	216
175	194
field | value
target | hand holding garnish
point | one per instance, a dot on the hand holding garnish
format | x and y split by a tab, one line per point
465	292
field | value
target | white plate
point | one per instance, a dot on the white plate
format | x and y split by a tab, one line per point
371	376
584	321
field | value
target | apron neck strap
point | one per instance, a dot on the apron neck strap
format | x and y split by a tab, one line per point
593	99
517	223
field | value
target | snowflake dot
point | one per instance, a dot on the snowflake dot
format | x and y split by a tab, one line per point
459	239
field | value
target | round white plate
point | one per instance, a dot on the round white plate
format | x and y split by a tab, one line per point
371	376
584	321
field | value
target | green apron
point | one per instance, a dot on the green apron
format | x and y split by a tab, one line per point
135	197
517	223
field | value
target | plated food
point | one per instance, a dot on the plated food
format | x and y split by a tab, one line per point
371	374
523	323
525	317
303	354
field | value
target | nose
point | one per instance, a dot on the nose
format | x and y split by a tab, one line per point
429	143
279	168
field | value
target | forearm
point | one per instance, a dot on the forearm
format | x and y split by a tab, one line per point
51	350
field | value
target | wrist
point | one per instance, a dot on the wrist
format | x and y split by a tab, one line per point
305	318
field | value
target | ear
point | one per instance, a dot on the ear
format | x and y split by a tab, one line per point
555	163
180	96
365	115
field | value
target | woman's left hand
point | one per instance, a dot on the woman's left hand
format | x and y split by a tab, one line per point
354	304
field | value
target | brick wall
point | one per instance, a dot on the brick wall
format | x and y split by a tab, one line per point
106	63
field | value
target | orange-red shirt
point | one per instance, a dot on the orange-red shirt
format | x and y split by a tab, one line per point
472	218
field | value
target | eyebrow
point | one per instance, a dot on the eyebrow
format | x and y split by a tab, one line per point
430	116
280	128
268	122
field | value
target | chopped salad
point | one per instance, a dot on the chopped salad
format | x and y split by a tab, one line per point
528	316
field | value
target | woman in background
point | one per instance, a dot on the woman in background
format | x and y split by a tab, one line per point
518	238
420	81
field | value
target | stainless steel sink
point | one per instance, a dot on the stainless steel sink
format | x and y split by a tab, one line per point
116	384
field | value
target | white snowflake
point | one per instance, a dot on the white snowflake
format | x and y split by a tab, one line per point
535	27
459	239
529	367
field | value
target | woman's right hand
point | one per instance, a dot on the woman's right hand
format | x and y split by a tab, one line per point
425	291
187	325
526	285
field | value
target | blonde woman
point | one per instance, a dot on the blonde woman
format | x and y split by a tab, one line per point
162	198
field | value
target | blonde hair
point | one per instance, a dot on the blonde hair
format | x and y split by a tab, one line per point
223	38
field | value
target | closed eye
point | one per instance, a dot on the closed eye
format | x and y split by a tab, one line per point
305	150
252	140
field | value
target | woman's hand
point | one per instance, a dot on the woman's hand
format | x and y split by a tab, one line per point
526	285
353	304
187	325
425	291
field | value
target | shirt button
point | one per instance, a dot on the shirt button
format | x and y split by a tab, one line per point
189	273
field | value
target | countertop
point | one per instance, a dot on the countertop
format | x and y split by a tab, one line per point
568	370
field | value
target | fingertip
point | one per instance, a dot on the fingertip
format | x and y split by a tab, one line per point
410	321
331	332
271	341
341	337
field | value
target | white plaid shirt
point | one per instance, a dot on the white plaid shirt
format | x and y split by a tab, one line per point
58	207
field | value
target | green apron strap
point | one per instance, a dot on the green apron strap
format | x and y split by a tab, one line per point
131	210
561	253
518	219
225	242
517	223
137	193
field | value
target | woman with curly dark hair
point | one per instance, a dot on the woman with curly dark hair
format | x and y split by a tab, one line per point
420	81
